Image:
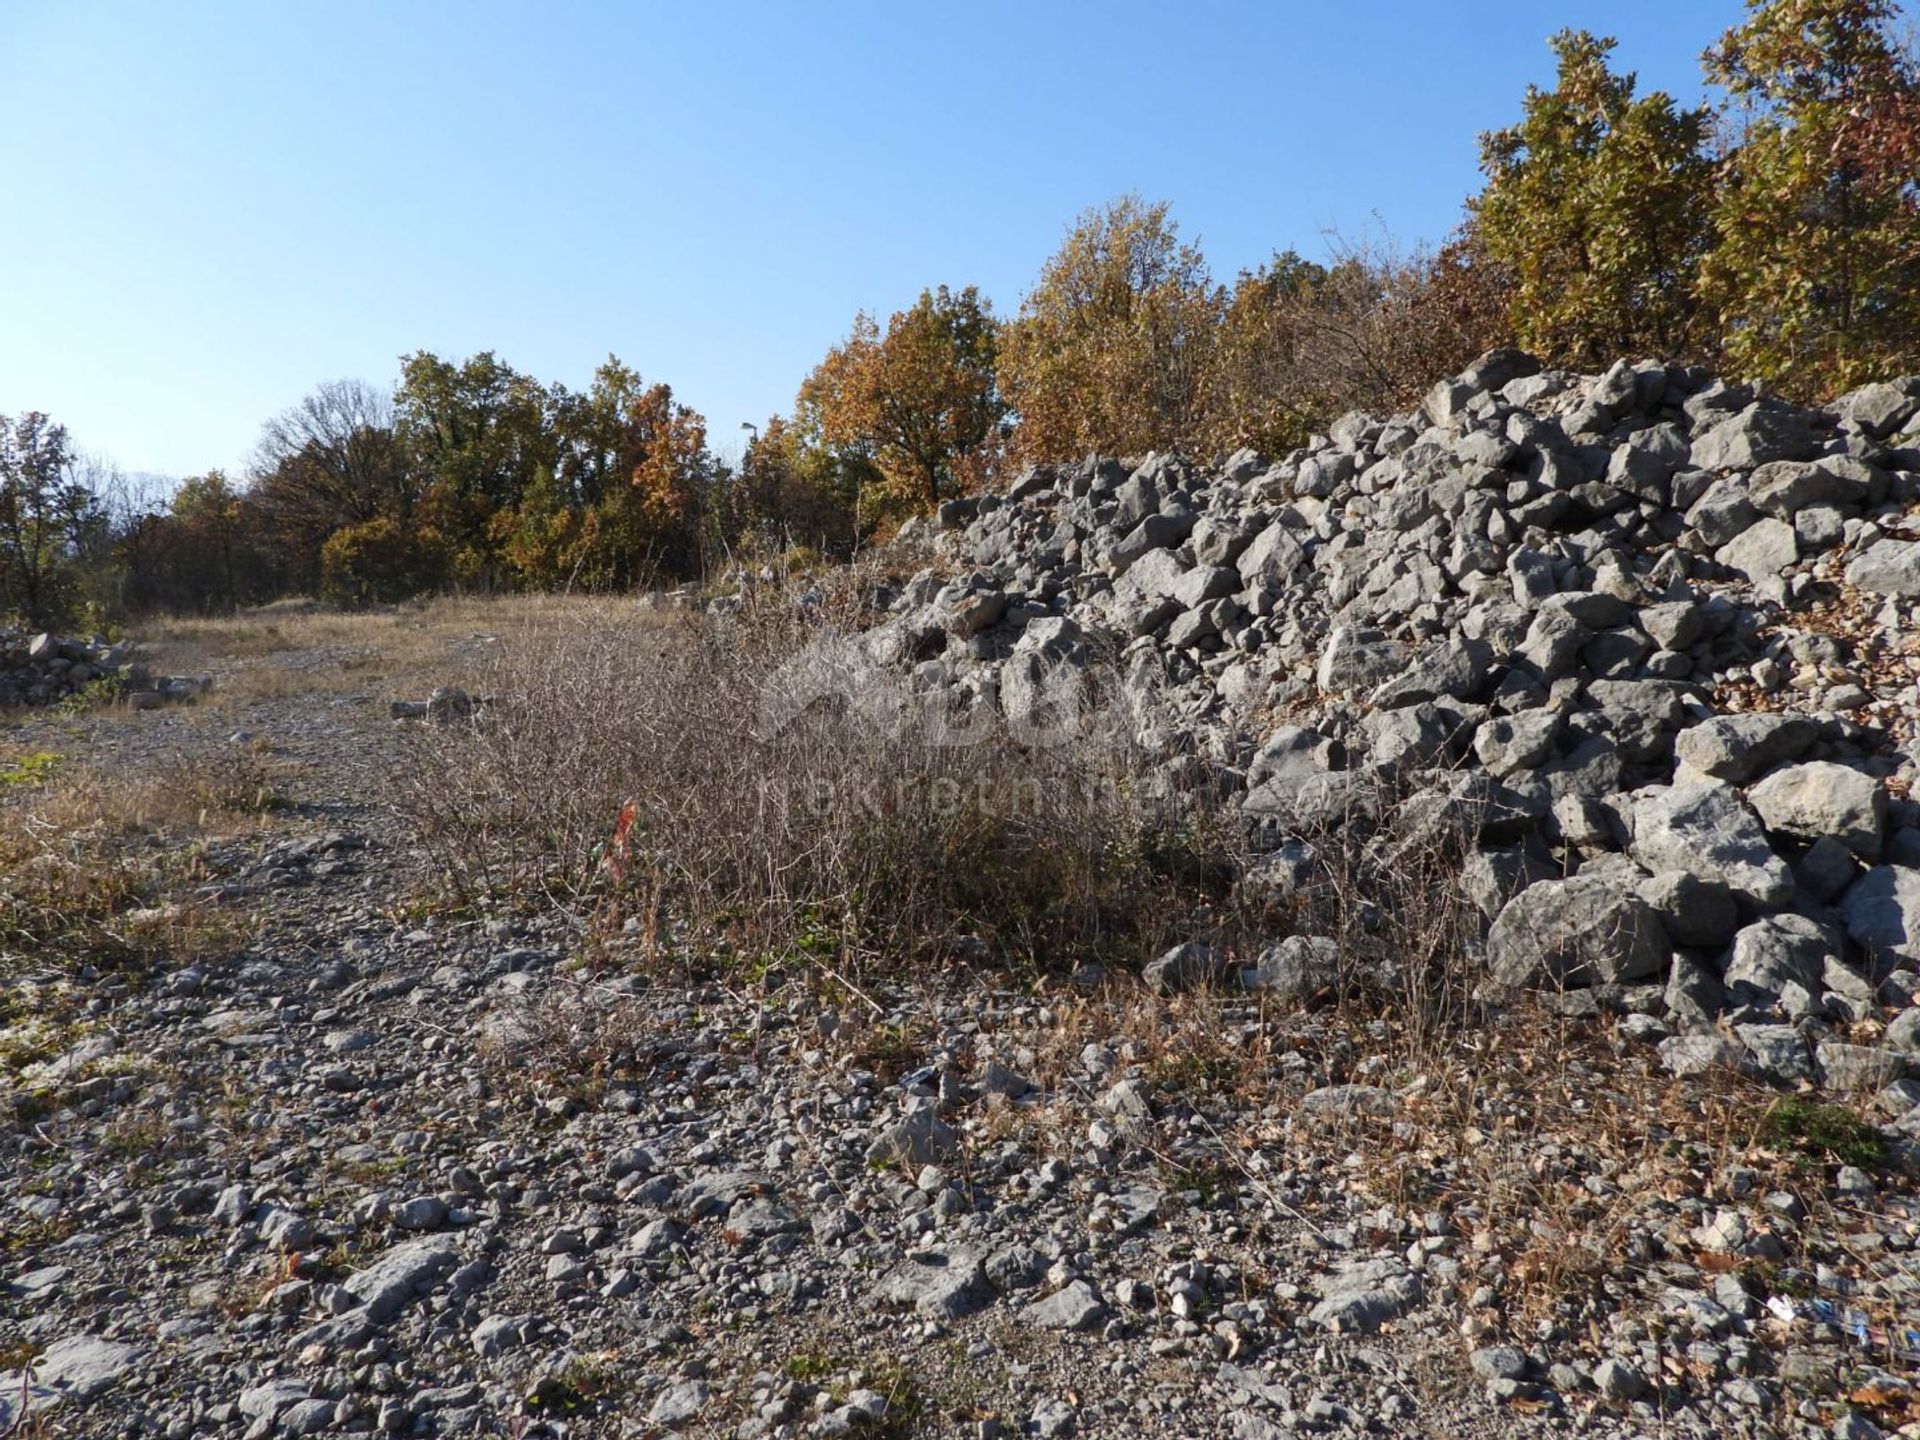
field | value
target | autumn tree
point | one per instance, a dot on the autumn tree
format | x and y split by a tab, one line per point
626	498
332	461
791	493
1596	204
1814	279
202	550
654	523
919	405
1253	387
44	514
1110	348
1303	342
380	561
209	552
476	435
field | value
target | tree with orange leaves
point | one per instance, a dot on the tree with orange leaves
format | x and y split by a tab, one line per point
1111	347
918	407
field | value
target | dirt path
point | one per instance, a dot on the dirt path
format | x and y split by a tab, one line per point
361	1164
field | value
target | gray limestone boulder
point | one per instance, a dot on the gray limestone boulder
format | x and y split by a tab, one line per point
1575	932
1707	830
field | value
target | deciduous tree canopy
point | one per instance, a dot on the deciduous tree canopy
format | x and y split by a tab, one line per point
1596	206
1776	235
1110	348
1813	280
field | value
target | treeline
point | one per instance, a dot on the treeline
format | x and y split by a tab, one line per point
1775	236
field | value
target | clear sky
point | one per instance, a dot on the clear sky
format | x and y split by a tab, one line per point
210	207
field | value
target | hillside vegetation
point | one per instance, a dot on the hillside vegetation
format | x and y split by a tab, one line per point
1775	237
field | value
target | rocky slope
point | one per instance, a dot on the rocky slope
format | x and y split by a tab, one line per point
378	1165
1646	639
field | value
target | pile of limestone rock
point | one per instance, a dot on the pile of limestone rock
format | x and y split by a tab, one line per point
1647	641
44	669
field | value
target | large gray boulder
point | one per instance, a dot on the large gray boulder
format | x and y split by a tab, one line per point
1778	960
1509	743
1887	567
1821	799
1755	436
1581	931
1296	967
1786	487
1708	830
1881	409
1183	968
1644	466
1882	912
1695	911
1272	557
1761	551
1736	748
1723	510
1294	750
1355	659
1455	668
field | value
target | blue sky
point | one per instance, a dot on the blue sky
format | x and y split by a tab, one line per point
210	207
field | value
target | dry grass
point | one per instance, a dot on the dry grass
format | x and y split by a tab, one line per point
298	648
97	866
1553	1149
824	832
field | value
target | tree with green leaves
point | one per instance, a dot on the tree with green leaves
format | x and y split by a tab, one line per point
1814	279
1110	348
1596	208
45	512
476	435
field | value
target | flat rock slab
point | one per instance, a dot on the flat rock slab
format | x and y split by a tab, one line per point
406	1271
940	1285
719	1192
269	1400
1361	1298
1077	1307
78	1368
20	1400
1346	1102
1887	567
679	1403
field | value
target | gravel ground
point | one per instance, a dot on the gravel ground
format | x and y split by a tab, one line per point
386	1169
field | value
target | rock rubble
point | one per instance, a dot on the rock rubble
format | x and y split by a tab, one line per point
1646	641
44	668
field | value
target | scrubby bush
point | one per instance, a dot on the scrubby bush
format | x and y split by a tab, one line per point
728	784
1302	343
1596	205
379	561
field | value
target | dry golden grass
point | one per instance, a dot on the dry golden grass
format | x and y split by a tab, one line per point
98	866
296	648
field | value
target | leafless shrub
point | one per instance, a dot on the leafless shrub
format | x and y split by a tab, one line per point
737	785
